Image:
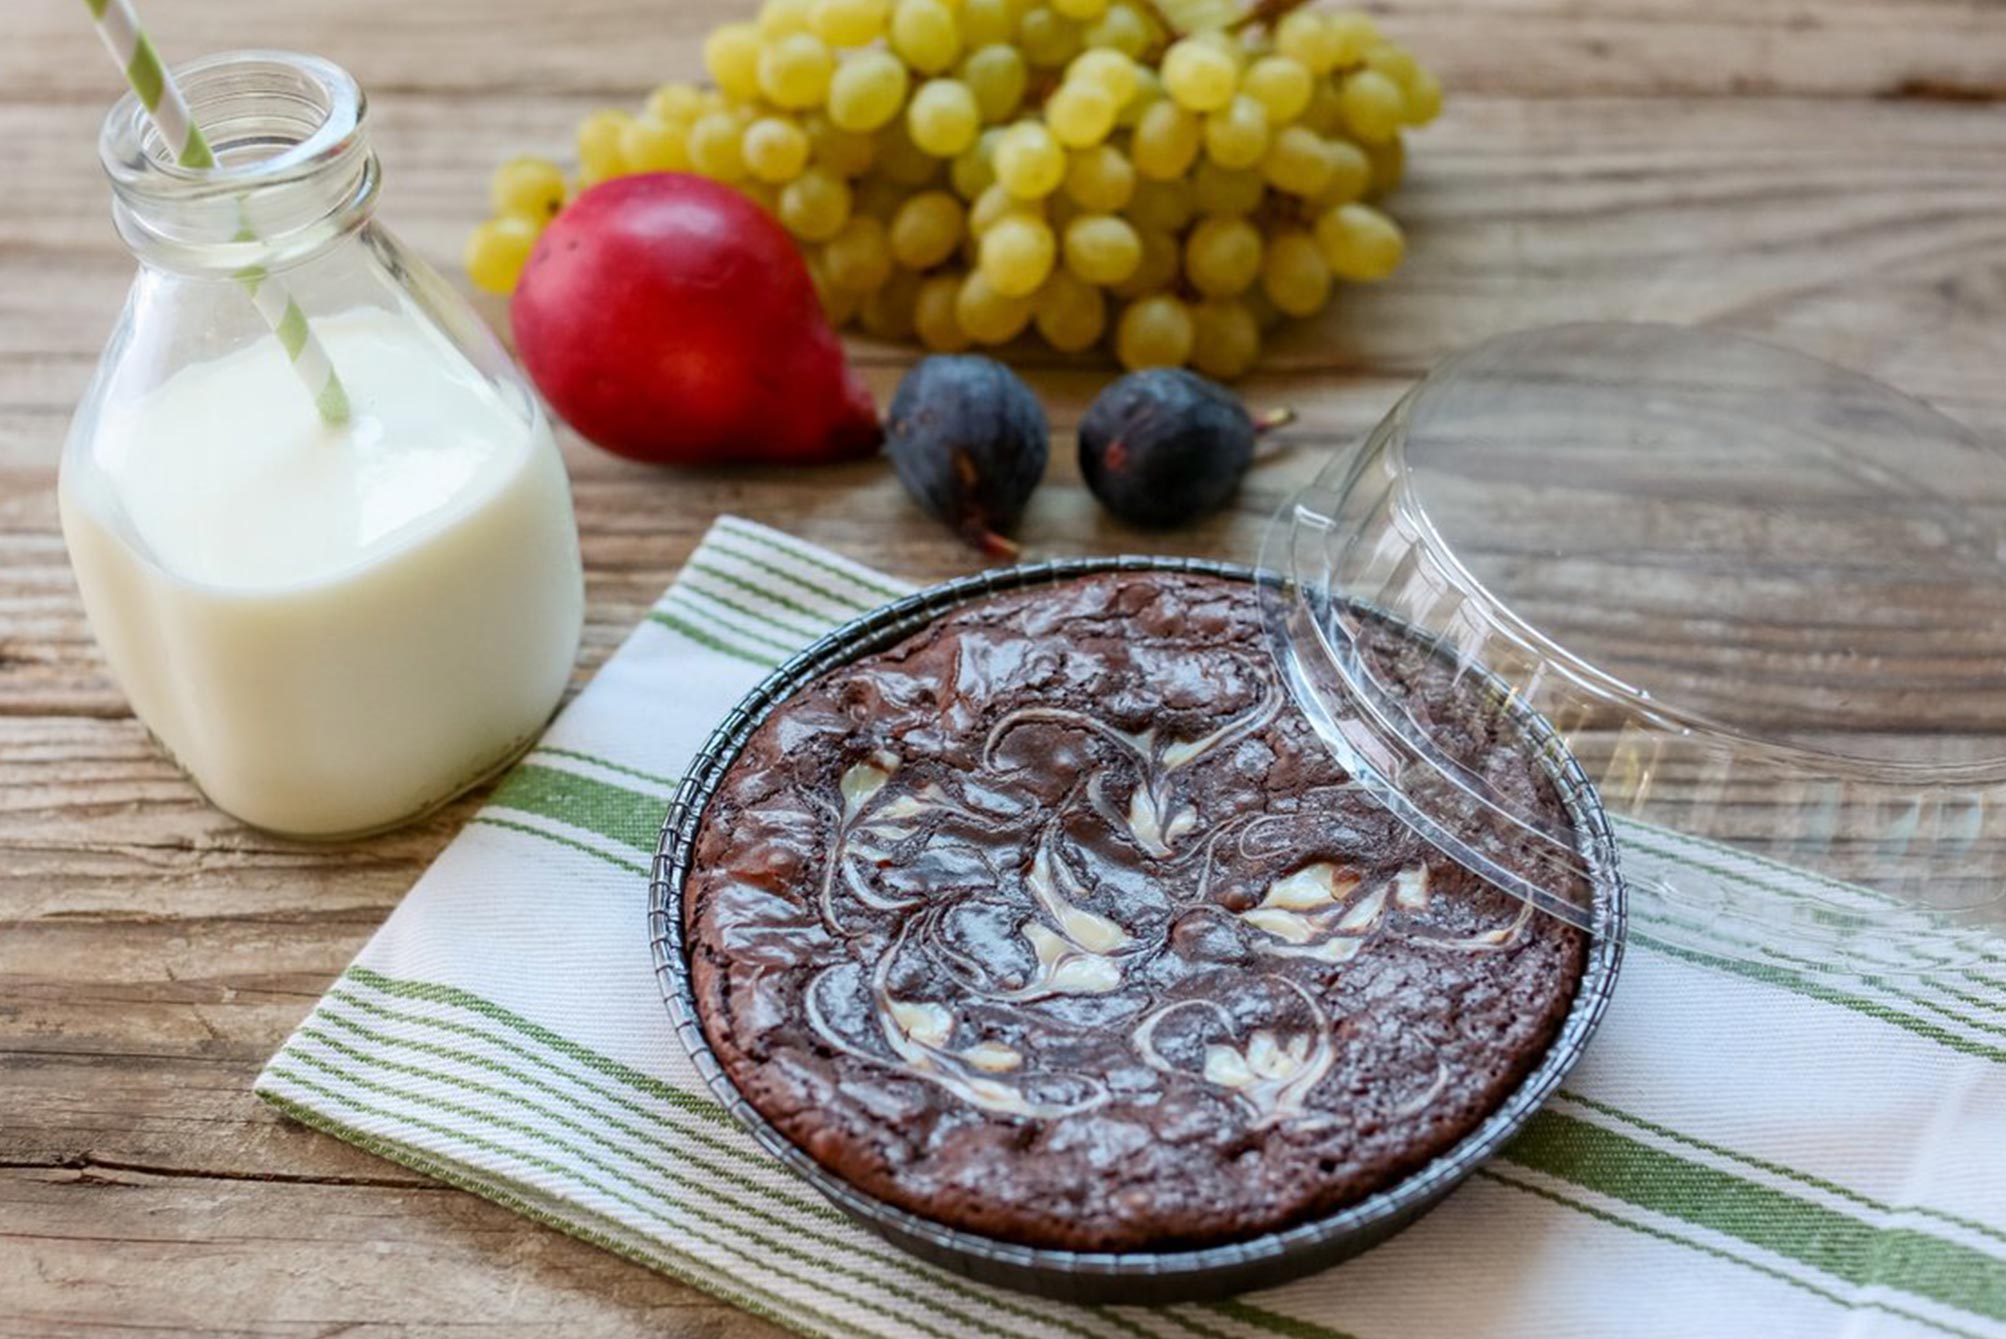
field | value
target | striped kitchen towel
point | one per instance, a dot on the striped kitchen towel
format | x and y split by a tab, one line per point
1746	1149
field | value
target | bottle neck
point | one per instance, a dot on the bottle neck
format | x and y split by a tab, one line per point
294	173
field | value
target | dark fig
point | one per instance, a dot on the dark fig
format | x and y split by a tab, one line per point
969	442
1166	446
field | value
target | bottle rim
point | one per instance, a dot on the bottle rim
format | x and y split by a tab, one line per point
293	165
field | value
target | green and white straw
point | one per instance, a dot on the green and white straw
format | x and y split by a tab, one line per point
118	25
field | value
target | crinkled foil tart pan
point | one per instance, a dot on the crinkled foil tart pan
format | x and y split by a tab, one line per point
1133	1277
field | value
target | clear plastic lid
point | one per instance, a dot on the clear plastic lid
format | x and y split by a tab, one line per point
1760	599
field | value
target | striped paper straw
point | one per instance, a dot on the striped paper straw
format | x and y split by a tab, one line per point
118	25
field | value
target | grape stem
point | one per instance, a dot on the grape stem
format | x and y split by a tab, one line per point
1265	12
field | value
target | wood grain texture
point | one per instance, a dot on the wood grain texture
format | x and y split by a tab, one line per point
1830	173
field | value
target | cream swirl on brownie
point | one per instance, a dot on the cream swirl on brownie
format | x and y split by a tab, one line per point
1057	923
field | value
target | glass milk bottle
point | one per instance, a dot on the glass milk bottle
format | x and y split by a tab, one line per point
332	627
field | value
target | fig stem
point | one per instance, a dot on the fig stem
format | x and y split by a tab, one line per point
1268	420
990	543
1266	446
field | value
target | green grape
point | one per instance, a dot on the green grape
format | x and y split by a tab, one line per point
987	22
1123	29
775	148
1080	114
1109	69
1154	331
847	153
1163	205
849	22
1199	75
1218	191
1325	113
1237	134
973	171
672	103
996	204
902	160
1148	92
1029	162
997	75
1080	11
926	229
1222	256
859	256
1359	243
943	118
987	316
1048	40
498	250
1017	255
716	146
889	311
1225	339
1102	249
1373	106
1389	165
1166	141
866	91
795	71
925	35
783	18
1395	63
1100	179
1294	274
933	318
648	145
731	55
1158	270
815	205
1299	162
1352	34
530	188
1423	98
838	304
1350	174
878	196
1307	38
1071	314
1282	85
1227	43
601	154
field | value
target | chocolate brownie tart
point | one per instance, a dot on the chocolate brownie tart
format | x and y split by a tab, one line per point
1057	924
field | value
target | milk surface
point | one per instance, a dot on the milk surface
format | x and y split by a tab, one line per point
331	629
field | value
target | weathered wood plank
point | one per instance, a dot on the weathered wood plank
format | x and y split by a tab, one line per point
1529	48
1825	172
103	1250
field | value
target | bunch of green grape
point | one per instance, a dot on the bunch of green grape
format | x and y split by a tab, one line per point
962	171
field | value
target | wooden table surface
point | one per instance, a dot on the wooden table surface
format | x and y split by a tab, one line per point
1829	173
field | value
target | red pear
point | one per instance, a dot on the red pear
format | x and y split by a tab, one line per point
668	318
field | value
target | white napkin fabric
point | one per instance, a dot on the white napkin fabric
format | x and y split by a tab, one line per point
1746	1148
